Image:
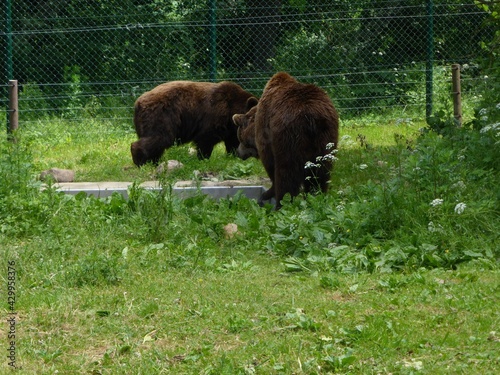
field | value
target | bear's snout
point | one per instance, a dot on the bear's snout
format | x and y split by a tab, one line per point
246	152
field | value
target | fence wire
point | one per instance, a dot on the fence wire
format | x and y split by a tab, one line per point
80	59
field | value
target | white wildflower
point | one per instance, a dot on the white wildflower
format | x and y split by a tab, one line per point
431	227
460	185
417	365
363	166
310	165
485	129
329	157
460	207
435	228
436	202
347	141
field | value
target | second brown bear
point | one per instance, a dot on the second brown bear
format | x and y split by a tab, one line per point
293	130
186	111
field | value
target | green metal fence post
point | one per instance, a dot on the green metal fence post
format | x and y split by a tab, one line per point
8	47
213	40
430	59
8	36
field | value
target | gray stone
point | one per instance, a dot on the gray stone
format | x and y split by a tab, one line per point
58	175
171	165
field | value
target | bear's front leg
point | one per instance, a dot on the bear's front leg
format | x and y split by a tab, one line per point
205	144
204	152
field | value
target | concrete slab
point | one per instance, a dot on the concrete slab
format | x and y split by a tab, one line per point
183	189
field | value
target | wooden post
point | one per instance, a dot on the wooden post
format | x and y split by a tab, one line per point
457	95
13	109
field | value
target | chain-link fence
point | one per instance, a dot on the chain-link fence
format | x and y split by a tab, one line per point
76	59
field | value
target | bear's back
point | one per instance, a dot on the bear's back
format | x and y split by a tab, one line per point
190	94
296	105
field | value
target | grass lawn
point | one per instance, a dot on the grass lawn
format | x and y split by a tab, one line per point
101	152
244	314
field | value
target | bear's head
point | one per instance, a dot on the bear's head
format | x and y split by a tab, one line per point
246	130
138	155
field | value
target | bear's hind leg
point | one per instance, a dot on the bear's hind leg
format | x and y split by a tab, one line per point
268	163
288	179
267	195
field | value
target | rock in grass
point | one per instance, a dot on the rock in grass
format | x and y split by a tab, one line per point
58	175
230	230
170	166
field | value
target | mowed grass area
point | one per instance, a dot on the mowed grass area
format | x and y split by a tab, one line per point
249	316
354	282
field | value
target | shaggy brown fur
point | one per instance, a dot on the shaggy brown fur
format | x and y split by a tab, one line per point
291	125
185	111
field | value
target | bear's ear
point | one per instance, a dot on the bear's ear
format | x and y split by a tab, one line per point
252	102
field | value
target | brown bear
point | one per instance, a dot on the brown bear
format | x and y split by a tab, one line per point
186	111
293	130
